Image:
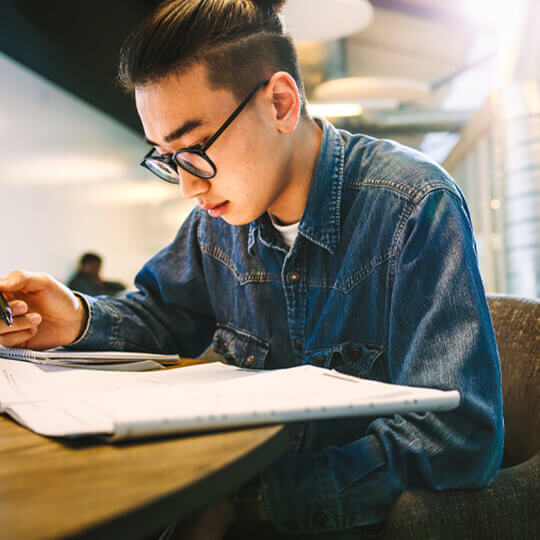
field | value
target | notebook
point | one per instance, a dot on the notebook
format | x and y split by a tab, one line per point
71	403
103	360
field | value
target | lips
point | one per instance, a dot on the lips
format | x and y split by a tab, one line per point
218	210
214	209
208	206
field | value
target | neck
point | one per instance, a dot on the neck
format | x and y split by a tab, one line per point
304	150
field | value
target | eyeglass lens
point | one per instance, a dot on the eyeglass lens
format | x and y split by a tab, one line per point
195	164
163	170
189	161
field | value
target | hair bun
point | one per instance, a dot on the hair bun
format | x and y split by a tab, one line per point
274	5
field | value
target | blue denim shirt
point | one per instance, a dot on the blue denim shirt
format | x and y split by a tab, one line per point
382	282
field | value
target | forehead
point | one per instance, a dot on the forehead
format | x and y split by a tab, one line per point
173	100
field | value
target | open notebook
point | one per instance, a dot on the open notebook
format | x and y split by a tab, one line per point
67	403
102	360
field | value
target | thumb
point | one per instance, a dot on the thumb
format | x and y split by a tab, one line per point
23	280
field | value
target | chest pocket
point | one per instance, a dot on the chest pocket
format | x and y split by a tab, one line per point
239	347
353	358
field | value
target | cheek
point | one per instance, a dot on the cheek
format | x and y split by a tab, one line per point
247	163
247	155
250	145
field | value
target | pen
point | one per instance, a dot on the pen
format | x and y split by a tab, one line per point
5	312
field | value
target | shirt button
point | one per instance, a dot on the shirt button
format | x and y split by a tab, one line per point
294	277
336	359
319	360
297	344
320	518
250	360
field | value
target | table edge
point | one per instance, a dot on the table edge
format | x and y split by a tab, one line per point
145	520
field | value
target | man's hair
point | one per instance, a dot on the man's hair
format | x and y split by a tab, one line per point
240	43
88	258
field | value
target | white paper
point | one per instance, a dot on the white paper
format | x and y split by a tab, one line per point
55	401
50	356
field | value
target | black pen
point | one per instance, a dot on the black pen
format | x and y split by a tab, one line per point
5	311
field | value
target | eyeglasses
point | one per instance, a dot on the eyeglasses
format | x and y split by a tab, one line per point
193	159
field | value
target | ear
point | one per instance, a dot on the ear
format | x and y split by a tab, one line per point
285	98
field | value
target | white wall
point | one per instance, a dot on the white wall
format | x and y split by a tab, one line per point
70	182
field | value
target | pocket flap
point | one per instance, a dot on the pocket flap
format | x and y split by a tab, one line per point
239	347
351	357
359	359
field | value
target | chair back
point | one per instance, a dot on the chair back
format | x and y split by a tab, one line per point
517	329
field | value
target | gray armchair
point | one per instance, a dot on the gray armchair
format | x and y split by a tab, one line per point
509	508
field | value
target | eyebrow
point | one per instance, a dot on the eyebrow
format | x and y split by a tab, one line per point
185	128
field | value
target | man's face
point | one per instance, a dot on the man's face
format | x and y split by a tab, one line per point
91	267
249	175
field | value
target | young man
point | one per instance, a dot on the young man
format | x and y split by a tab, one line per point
308	245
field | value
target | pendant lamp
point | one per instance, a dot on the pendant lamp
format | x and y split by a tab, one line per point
323	20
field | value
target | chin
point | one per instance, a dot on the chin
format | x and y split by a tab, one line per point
238	220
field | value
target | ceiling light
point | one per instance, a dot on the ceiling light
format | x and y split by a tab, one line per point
358	89
323	20
492	13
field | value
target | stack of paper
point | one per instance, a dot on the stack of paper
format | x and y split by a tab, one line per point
61	402
102	360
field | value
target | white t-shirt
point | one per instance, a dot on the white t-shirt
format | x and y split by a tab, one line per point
288	232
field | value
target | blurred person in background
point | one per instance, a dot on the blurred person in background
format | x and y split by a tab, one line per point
88	281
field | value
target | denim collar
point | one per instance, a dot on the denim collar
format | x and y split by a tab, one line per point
320	222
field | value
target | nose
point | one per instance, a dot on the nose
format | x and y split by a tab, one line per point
192	186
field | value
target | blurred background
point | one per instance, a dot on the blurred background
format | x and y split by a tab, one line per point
457	79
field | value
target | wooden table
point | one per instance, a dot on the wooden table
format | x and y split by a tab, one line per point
84	489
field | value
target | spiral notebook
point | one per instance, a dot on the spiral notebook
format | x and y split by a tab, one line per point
105	360
70	403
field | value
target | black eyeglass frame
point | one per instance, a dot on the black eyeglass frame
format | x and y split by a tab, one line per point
198	149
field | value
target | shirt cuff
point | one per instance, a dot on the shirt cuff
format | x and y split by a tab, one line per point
327	490
102	330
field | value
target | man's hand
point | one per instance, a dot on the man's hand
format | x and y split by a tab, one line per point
45	313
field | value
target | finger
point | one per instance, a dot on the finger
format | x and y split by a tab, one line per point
18	307
20	323
23	280
18	338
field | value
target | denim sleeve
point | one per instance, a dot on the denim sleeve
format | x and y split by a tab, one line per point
439	335
169	313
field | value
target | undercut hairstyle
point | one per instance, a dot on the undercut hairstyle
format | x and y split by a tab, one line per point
240	43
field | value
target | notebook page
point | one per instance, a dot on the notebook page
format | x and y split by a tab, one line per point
84	356
208	396
285	395
63	417
139	365
24	381
63	402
